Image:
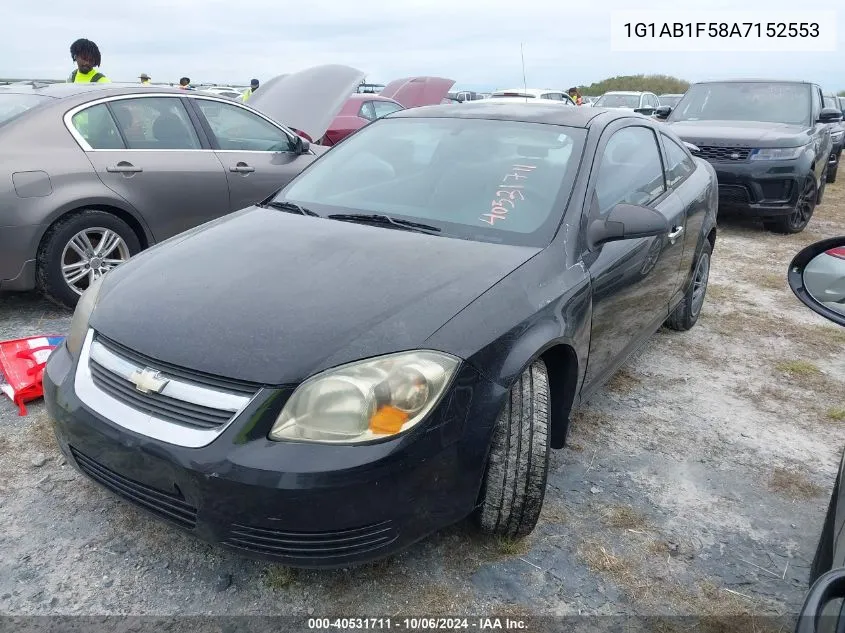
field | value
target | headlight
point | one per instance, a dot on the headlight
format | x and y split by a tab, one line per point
366	400
837	136
776	153
79	325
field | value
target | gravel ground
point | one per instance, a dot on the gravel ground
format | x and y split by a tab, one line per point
694	483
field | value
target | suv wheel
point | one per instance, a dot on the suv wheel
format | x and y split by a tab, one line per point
515	482
800	216
80	248
688	310
831	171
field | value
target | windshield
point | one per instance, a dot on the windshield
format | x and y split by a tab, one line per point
672	101
788	103
618	101
476	179
11	105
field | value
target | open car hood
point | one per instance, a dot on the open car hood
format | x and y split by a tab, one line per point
414	92
308	100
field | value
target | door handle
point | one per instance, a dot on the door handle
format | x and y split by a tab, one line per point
124	168
675	234
242	168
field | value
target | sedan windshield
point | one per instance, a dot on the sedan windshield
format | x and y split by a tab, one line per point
788	103
11	105
618	101
477	179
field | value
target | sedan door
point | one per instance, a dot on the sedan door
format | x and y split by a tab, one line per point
147	150
632	279
258	156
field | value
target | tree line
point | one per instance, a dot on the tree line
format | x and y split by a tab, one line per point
658	84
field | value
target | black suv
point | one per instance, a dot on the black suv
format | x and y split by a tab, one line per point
837	135
769	141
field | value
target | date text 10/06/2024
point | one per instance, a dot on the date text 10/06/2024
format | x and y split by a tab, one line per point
722	29
418	624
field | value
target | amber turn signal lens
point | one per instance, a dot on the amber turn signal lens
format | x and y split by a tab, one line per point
388	421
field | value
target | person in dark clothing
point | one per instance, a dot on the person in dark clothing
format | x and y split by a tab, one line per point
185	83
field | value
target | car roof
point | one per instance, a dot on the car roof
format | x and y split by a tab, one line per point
528	91
550	113
66	90
626	92
752	80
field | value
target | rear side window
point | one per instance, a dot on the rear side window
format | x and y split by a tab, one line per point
97	127
631	170
367	111
679	165
155	123
383	108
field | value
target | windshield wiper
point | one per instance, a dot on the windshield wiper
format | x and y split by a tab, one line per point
384	220
290	206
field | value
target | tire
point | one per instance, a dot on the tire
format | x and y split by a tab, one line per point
689	309
56	247
822	187
515	480
800	216
831	172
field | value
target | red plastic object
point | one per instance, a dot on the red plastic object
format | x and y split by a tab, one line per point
22	363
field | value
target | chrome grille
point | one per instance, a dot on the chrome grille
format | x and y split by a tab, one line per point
723	154
172	404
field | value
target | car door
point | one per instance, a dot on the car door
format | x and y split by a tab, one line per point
632	280
148	150
258	156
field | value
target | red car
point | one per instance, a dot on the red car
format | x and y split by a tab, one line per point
361	109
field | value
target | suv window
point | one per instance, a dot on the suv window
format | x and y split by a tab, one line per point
155	123
679	164
383	108
237	128
97	127
631	170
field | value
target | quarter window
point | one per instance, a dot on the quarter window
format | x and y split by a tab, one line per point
678	163
155	123
383	108
367	111
97	127
630	170
237	128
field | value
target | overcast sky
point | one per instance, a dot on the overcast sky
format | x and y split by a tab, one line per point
476	42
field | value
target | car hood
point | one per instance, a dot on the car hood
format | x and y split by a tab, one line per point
751	133
415	92
307	100
271	297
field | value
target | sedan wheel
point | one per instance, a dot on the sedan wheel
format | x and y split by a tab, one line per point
90	254
79	249
689	309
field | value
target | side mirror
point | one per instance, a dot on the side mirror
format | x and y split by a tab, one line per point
648	111
817	277
830	115
300	145
626	222
694	149
663	112
828	588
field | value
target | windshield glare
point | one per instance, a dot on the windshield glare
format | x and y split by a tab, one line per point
496	181
619	101
11	105
788	103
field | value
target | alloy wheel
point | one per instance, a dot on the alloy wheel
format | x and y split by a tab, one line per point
805	206
699	283
89	255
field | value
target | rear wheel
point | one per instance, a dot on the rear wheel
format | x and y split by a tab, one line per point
798	219
79	249
689	309
515	482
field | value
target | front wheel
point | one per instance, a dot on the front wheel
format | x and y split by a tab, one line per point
515	482
799	218
831	172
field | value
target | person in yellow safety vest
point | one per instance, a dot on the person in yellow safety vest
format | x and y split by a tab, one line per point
253	86
576	96
87	57
145	79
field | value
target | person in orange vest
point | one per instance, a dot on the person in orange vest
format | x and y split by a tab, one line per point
576	96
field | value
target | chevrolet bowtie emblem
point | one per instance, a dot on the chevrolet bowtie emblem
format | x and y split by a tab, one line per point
148	380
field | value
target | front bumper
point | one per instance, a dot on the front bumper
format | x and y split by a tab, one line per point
304	505
760	189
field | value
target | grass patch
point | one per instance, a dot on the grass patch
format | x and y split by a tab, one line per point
793	484
737	323
719	293
553	513
798	368
623	381
623	518
512	547
277	577
836	414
